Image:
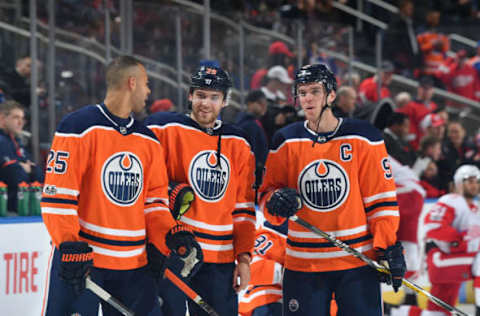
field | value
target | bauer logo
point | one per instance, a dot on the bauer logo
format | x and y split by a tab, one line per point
209	178
122	178
323	185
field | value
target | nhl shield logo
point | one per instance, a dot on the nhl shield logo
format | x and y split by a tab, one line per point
122	178
324	185
209	179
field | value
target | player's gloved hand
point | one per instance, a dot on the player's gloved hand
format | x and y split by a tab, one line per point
180	197
156	261
284	202
393	259
186	255
76	259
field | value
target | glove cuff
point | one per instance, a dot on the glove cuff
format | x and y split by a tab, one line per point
76	251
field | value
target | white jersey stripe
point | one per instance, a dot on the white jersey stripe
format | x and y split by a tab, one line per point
112	231
59	211
379	196
118	253
245	205
216	247
217	228
384	213
157	208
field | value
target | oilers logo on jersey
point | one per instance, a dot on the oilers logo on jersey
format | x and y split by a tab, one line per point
208	178
324	185
122	178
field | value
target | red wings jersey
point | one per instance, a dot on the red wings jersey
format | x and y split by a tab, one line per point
266	270
368	91
347	187
219	166
102	189
452	219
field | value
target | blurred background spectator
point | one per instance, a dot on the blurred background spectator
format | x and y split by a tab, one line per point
16	165
345	102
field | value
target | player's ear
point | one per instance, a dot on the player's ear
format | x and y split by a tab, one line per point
331	97
132	82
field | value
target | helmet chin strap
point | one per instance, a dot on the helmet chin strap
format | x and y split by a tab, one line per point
326	106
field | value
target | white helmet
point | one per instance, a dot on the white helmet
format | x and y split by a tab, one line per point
464	172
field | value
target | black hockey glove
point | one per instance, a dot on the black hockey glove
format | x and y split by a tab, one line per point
186	255
284	202
180	197
394	260
156	261
76	259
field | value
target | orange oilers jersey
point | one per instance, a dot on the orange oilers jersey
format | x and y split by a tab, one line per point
219	165
347	188
106	184
266	270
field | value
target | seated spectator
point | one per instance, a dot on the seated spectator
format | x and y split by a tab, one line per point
249	121
352	79
430	150
417	109
368	89
277	85
15	164
434	46
402	99
345	102
400	40
431	182
433	125
456	150
278	54
459	76
395	139
15	82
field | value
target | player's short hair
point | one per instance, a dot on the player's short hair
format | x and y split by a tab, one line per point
9	105
255	96
117	68
396	118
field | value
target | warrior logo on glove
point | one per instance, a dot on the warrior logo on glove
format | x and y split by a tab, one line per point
324	185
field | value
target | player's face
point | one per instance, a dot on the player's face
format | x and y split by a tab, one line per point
312	99
470	187
14	121
141	91
206	106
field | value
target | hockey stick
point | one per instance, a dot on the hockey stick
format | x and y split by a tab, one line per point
107	297
374	264
189	292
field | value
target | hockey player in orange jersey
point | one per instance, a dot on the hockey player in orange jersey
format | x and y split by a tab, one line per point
263	296
339	179
105	197
215	159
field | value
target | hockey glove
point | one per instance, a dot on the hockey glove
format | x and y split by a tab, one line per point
393	259
180	198
284	202
156	261
186	255
76	259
